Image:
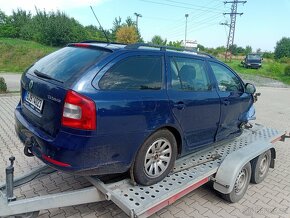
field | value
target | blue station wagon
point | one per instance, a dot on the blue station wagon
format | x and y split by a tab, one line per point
95	108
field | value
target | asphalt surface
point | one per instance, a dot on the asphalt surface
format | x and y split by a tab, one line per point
12	81
271	198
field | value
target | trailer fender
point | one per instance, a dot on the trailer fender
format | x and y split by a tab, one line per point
230	167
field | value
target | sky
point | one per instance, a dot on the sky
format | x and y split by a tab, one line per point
262	24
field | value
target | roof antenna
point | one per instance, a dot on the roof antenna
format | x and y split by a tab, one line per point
100	25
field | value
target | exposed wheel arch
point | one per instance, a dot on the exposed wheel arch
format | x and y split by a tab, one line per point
174	131
177	136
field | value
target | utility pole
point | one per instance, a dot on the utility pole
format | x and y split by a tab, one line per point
137	16
233	14
186	16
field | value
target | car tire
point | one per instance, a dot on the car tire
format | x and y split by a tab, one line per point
155	159
241	185
260	167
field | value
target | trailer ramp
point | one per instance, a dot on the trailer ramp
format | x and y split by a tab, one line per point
189	173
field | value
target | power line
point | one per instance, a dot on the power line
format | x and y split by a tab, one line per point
172	5
192	21
196	17
202	15
177	28
233	15
193	5
161	18
197	24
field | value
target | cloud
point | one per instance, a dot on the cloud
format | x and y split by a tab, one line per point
48	5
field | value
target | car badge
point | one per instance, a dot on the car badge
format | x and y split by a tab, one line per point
30	84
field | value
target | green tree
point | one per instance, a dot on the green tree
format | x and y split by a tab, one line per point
220	49
248	49
200	47
176	44
233	49
117	23
94	33
57	29
240	50
268	54
19	19
6	27
157	40
282	48
129	21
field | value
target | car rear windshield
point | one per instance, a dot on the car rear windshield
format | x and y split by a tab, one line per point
67	63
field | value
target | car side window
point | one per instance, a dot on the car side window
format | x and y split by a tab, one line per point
189	74
134	73
226	79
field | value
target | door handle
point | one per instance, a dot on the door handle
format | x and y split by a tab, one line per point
226	102
179	105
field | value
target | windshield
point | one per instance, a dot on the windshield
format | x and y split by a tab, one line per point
67	63
254	56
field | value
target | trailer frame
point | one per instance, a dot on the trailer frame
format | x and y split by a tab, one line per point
219	163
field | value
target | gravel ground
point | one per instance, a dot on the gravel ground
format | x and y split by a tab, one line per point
263	81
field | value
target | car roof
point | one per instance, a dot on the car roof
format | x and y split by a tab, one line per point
112	46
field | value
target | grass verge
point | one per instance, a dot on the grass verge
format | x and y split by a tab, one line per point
270	69
17	54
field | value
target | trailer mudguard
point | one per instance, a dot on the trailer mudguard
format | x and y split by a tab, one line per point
230	167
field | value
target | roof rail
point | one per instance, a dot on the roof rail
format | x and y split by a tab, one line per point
164	48
99	41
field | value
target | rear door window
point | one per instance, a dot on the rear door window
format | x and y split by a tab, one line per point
67	63
134	73
189	74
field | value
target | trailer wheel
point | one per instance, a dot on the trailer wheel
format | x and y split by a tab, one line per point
260	167
33	214
241	185
155	158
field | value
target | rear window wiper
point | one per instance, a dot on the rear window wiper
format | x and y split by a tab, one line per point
43	75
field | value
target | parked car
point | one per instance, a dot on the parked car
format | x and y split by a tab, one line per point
252	61
105	108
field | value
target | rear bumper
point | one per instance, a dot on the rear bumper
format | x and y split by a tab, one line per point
76	154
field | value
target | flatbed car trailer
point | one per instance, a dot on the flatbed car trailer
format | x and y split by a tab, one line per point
226	164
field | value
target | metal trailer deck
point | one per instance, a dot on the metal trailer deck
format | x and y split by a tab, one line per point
220	163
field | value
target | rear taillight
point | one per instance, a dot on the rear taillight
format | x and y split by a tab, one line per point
79	112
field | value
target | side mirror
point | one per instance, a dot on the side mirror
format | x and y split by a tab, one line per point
250	88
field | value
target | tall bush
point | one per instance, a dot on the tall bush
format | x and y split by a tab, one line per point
50	28
282	48
287	70
3	86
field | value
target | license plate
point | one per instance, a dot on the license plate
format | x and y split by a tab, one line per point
34	102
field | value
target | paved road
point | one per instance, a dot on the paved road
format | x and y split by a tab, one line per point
12	80
268	199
